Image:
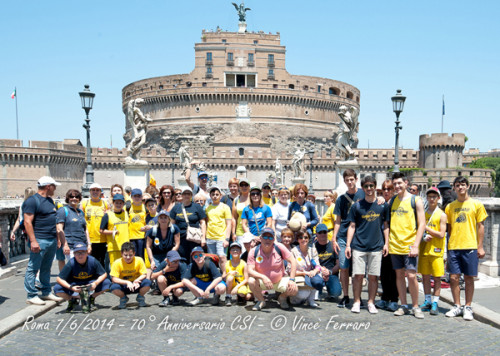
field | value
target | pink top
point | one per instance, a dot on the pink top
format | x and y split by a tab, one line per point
270	265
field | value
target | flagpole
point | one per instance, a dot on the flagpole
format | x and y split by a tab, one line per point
17	119
442	116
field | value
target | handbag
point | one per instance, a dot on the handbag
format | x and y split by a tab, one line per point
193	234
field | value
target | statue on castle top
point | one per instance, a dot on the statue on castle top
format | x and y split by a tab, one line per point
185	159
242	11
278	172
139	125
348	128
297	161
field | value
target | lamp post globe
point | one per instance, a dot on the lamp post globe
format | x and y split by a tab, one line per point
398	102
87	98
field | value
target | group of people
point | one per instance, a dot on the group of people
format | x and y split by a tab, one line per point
251	243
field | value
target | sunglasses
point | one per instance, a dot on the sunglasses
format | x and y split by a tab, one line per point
204	178
197	256
255	194
199	201
303	238
178	193
267	237
386	189
369	186
244	185
167	192
74	196
320	232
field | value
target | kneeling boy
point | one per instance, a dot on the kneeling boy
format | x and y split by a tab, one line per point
169	276
236	276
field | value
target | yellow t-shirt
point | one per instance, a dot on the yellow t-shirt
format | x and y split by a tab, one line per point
129	271
463	218
240	275
216	221
93	215
403	228
120	221
137	220
329	220
268	201
434	247
239	208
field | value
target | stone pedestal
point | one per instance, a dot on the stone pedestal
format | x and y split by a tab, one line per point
242	27
181	183
340	187
136	174
298	180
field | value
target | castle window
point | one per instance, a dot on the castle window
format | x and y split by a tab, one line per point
240	80
160	87
209	56
255	42
275	86
333	91
305	87
230	56
291	86
250	57
349	95
319	88
223	41
270	58
242	151
209	70
204	84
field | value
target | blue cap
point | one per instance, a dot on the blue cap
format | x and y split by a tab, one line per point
197	249
136	191
202	173
163	212
444	184
119	197
80	247
321	228
173	255
267	230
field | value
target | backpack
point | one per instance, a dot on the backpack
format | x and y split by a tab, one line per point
413	206
155	230
257	249
213	257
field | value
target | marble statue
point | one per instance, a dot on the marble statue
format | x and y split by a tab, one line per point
139	125
185	159
348	128
242	10
278	172
297	160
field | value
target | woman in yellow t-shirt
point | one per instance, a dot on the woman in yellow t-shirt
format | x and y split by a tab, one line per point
329	218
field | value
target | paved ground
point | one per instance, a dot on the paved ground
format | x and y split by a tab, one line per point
202	329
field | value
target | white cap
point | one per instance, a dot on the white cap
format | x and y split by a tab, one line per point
95	186
44	181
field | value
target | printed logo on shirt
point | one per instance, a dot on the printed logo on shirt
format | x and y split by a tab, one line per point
83	275
370	216
300	259
136	218
400	211
437	250
461	218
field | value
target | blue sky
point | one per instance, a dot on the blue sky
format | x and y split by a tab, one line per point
50	49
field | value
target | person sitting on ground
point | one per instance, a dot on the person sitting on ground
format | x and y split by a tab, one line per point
236	277
169	276
202	277
287	238
128	275
329	262
266	270
81	270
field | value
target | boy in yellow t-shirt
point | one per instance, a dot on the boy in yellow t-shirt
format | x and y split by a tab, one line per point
236	276
465	246
137	222
114	225
219	220
430	261
128	275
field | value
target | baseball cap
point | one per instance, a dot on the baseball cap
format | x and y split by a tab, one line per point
202	173
163	212
444	184
321	228
80	247
244	180
95	186
187	189
44	181
173	255
247	238
267	231
150	199
136	191
118	197
256	187
430	190
212	188
266	185
197	249
237	244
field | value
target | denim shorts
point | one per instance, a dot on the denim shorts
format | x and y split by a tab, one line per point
344	262
216	247
463	261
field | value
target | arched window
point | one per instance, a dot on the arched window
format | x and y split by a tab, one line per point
242	151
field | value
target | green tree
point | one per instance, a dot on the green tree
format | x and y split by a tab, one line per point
490	163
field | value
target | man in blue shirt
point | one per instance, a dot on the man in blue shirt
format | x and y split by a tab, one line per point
40	225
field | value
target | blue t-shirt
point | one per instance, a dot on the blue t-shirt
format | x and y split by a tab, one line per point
44	216
73	272
342	208
368	217
256	217
161	245
207	273
75	224
173	277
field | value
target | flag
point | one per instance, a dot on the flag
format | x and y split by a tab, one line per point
443	105
152	180
13	95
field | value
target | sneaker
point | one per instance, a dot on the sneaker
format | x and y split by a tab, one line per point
123	303
312	304
381	304
426	306
259	306
468	313
52	297
402	310
228	301
71	305
344	302
456	311
35	301
417	313
196	301
165	302
393	306
355	307
216	299
175	300
141	300
92	303
372	309
434	308
283	303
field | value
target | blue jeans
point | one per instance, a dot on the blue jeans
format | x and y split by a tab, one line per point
41	261
316	282
333	286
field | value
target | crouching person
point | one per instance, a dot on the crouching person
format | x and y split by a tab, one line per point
169	277
128	275
202	277
266	270
84	271
236	276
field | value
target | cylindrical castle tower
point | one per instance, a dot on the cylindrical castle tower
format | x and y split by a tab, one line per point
439	150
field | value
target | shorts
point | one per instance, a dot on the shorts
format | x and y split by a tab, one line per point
404	261
203	285
431	265
463	261
344	262
243	290
144	283
104	286
278	286
216	247
60	254
369	261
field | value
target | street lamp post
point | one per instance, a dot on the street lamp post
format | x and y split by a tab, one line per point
398	101
172	154
87	101
311	155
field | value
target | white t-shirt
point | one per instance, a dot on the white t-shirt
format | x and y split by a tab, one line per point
280	216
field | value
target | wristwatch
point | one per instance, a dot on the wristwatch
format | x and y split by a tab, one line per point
292	279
